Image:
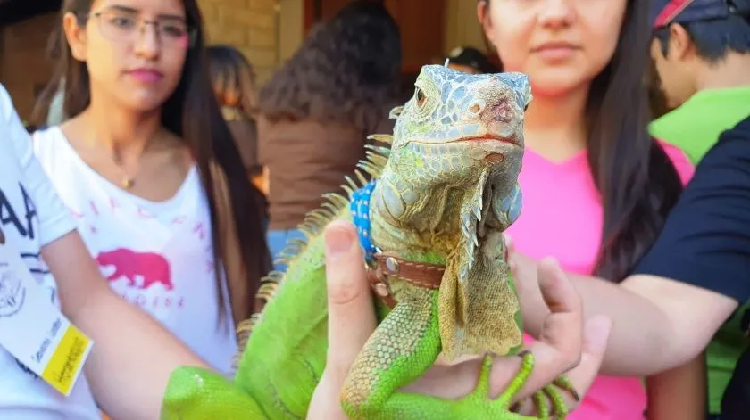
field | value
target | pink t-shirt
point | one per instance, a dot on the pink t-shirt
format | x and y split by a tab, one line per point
562	217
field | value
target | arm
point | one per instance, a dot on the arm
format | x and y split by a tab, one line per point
679	393
660	323
133	356
649	334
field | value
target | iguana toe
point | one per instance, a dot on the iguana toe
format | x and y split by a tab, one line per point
552	392
479	403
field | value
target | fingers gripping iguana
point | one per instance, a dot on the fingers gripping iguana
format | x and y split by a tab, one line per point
431	224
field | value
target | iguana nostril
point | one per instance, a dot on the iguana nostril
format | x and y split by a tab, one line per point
475	108
498	112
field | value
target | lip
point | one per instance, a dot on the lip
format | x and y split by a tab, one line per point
145	75
555	51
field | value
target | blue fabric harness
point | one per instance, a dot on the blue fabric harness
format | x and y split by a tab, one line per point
360	208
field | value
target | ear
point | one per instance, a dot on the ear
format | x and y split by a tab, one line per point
681	47
483	14
75	35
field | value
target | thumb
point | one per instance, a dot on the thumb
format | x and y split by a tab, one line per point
351	318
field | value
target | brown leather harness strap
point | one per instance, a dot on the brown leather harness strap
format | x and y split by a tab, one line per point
419	274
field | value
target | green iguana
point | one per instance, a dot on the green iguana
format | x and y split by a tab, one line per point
431	223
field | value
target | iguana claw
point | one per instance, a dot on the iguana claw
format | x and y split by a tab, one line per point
478	403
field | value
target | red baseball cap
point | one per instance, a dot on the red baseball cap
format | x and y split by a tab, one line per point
664	12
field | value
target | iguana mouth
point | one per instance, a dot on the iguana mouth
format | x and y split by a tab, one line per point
488	139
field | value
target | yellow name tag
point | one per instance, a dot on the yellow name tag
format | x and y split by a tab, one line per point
33	329
66	362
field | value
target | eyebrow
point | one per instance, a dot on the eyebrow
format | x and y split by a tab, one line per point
127	9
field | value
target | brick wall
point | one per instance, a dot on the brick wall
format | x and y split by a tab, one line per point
23	63
250	25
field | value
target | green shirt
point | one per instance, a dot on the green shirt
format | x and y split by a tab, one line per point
694	127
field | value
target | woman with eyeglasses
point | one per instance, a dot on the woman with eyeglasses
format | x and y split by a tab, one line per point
148	167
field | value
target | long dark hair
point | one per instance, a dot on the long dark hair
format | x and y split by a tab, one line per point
637	181
192	114
346	71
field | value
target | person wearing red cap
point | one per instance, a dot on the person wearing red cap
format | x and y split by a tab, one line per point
701	53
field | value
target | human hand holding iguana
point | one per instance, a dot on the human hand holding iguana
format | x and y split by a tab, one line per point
565	344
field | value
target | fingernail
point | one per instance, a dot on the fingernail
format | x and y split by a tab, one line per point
597	332
338	241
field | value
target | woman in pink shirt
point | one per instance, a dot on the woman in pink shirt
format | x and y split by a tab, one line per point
596	187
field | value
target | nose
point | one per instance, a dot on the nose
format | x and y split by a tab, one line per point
556	14
148	43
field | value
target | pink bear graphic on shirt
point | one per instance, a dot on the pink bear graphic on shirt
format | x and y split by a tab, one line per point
152	267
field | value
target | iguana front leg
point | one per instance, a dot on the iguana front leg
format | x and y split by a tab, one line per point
402	348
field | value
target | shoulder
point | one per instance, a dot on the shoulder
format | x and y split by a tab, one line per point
728	159
8	156
13	134
680	161
671	124
51	215
706	238
47	133
47	144
44	137
741	130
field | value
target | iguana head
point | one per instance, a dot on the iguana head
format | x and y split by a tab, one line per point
450	107
455	156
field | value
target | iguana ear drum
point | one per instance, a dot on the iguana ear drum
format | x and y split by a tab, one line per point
495	157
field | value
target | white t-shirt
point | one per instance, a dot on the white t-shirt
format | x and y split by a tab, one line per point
31	216
157	255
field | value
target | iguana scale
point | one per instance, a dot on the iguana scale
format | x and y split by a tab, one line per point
440	199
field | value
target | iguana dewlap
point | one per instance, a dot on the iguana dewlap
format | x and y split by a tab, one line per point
431	224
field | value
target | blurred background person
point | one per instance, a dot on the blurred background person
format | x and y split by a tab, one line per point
316	111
